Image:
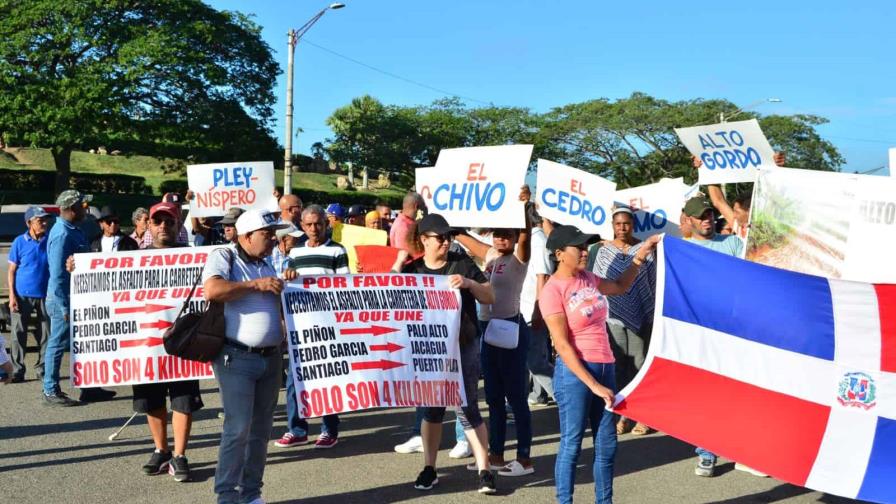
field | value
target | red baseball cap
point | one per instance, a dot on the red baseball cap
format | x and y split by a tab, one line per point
166	208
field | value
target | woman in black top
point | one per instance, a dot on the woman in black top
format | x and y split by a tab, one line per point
435	237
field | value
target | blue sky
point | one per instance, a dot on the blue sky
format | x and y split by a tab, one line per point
834	59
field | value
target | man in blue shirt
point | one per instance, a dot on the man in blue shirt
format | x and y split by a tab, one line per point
64	241
27	279
700	215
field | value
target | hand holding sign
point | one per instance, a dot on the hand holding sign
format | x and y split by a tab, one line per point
729	152
474	184
218	187
574	197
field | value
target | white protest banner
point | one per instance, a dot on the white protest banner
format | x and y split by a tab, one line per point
219	186
730	152
566	195
425	180
121	304
830	224
480	186
657	206
373	341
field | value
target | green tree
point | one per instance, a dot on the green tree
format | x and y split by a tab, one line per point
633	142
167	77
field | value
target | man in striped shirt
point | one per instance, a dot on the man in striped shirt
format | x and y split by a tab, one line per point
316	255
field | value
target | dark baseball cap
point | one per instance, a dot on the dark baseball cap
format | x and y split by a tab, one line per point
229	219
434	223
355	210
696	206
569	236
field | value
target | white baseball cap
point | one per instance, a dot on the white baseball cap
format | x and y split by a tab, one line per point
255	219
289	230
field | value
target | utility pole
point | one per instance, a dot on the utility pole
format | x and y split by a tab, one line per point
292	40
287	155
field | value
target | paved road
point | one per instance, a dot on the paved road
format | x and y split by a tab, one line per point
50	455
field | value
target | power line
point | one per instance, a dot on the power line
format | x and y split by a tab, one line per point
869	140
394	76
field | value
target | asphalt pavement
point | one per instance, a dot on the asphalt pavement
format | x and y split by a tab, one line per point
63	455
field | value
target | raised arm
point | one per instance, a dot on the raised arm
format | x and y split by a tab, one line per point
476	247
622	284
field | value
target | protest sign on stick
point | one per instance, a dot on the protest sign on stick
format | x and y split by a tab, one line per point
350	236
376	258
373	341
657	207
569	196
425	180
824	223
730	152
219	186
121	304
480	186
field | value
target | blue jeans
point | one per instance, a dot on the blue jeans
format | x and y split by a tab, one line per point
507	377
299	426
57	344
418	421
579	407
249	384
539	362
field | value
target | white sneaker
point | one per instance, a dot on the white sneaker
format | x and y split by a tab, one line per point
461	450
413	445
747	469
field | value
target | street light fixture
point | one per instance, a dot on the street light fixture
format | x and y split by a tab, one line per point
722	117
292	40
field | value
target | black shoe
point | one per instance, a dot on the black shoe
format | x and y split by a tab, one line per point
97	395
426	479
59	398
157	463
18	379
179	468
487	482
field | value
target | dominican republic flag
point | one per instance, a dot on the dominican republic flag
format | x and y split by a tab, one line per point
791	374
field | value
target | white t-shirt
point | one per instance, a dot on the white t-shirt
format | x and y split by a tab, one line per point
254	319
539	264
506	274
109	243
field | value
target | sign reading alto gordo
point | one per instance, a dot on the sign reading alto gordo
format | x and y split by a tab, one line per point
121	304
370	341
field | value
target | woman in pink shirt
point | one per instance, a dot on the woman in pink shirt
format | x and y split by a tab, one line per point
575	311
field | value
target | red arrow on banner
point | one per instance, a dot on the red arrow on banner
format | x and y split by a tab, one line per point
388	347
159	324
147	308
380	364
150	342
373	330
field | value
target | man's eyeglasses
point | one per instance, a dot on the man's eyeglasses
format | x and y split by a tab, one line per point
160	221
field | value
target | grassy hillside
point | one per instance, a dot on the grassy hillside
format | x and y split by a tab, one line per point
150	168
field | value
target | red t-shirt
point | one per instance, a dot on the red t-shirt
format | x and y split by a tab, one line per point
585	309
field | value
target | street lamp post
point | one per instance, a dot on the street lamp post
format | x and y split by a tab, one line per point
293	37
722	117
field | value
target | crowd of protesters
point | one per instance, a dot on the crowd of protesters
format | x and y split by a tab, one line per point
583	307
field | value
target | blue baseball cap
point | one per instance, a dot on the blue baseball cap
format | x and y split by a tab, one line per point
34	212
336	209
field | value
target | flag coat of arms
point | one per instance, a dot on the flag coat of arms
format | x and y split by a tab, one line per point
794	375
